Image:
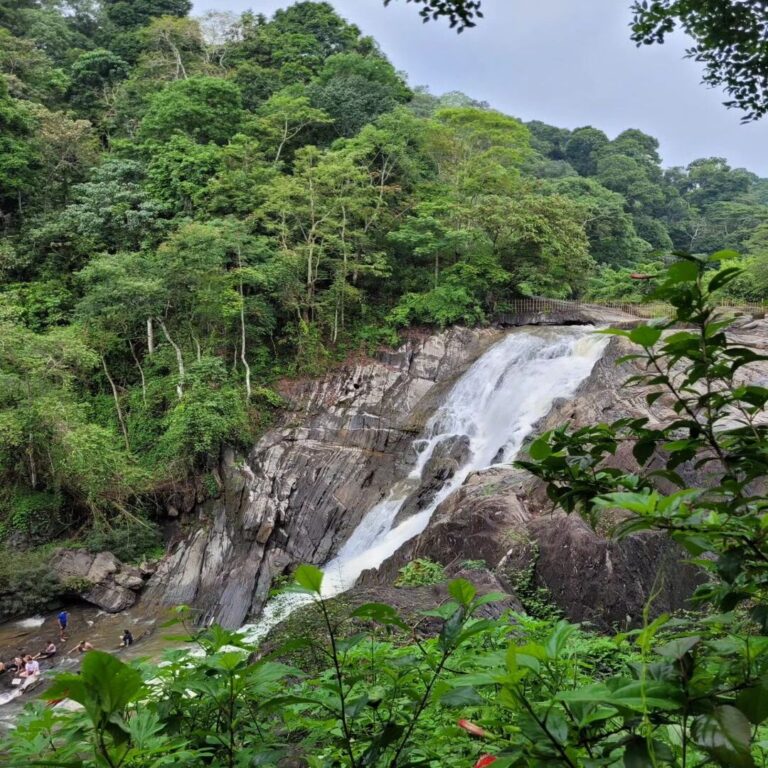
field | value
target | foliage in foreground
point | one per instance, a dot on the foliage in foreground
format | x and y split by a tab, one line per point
520	691
676	692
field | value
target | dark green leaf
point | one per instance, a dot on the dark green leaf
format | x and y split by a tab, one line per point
725	734
645	335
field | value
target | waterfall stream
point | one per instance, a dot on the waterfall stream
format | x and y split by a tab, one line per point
494	405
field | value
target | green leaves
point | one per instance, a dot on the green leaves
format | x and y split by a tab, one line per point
682	272
725	734
381	613
540	449
105	686
684	670
645	335
462	592
753	703
309	578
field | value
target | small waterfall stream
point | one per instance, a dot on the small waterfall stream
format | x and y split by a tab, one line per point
495	405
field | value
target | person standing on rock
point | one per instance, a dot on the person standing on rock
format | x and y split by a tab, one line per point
63	618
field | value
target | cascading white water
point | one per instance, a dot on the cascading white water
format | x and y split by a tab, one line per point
495	405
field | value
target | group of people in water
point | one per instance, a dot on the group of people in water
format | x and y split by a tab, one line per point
25	666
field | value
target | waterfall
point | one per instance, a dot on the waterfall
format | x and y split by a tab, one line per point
494	405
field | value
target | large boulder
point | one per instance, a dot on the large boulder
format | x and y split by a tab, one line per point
98	578
607	583
110	597
71	565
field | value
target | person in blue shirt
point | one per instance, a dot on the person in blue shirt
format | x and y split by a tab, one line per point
63	621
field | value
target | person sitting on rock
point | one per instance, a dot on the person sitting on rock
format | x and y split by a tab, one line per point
16	665
31	667
48	652
82	647
126	639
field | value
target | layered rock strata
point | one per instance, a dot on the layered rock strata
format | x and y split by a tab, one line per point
307	482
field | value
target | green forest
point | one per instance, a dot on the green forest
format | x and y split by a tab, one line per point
194	207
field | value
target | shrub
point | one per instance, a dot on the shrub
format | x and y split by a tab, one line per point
419	573
27	584
36	515
211	413
130	539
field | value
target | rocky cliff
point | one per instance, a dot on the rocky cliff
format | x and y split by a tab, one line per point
349	437
307	483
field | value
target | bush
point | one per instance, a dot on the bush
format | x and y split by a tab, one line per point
27	584
419	573
212	413
36	515
130	539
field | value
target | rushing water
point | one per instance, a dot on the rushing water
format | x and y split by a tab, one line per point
495	404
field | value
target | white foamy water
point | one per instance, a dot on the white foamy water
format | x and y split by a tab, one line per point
495	405
33	622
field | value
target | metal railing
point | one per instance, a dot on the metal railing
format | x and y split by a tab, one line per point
516	308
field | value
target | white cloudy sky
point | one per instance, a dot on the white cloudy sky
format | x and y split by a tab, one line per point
566	62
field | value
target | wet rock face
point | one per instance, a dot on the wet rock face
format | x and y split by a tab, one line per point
503	516
605	582
350	437
443	464
100	579
308	482
476	523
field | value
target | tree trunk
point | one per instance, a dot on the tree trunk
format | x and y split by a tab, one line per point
282	143
141	373
117	404
197	347
150	336
179	359
242	330
32	464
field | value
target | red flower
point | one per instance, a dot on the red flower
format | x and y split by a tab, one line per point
484	761
471	728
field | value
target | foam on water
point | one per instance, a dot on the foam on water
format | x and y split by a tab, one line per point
495	404
33	622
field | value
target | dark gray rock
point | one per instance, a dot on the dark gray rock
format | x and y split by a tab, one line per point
605	582
308	482
445	461
104	565
71	565
110	597
100	579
